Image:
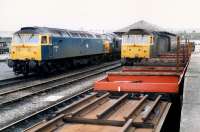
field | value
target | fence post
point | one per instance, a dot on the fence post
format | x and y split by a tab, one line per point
177	54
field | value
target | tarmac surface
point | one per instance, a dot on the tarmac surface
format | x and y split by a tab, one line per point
5	71
4	57
190	115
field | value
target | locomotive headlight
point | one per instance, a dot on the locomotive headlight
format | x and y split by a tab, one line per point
13	50
34	52
152	40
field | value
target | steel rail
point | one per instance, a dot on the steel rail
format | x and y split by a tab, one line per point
45	110
63	76
14	80
44	89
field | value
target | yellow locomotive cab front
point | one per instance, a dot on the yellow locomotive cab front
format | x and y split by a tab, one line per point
136	46
107	47
25	52
135	51
26	47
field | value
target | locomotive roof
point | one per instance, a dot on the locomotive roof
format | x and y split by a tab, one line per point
52	31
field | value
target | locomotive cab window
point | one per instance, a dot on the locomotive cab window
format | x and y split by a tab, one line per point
25	38
44	40
135	39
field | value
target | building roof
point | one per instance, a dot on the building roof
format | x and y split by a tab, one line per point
143	25
6	34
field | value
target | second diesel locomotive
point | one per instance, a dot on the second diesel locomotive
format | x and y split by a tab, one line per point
42	49
139	44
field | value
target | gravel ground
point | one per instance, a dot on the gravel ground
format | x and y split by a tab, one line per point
18	110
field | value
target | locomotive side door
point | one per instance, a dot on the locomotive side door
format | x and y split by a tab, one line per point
50	48
162	45
47	46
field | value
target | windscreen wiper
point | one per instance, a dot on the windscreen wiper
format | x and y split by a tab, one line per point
19	36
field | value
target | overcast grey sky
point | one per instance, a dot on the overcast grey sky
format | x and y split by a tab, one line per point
98	14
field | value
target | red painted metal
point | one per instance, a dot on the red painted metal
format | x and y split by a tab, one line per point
142	79
159	79
151	68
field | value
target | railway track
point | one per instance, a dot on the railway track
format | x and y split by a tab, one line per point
9	82
91	111
23	92
15	80
43	114
105	112
74	78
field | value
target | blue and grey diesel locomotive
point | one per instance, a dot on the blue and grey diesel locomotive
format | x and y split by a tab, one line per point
36	49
